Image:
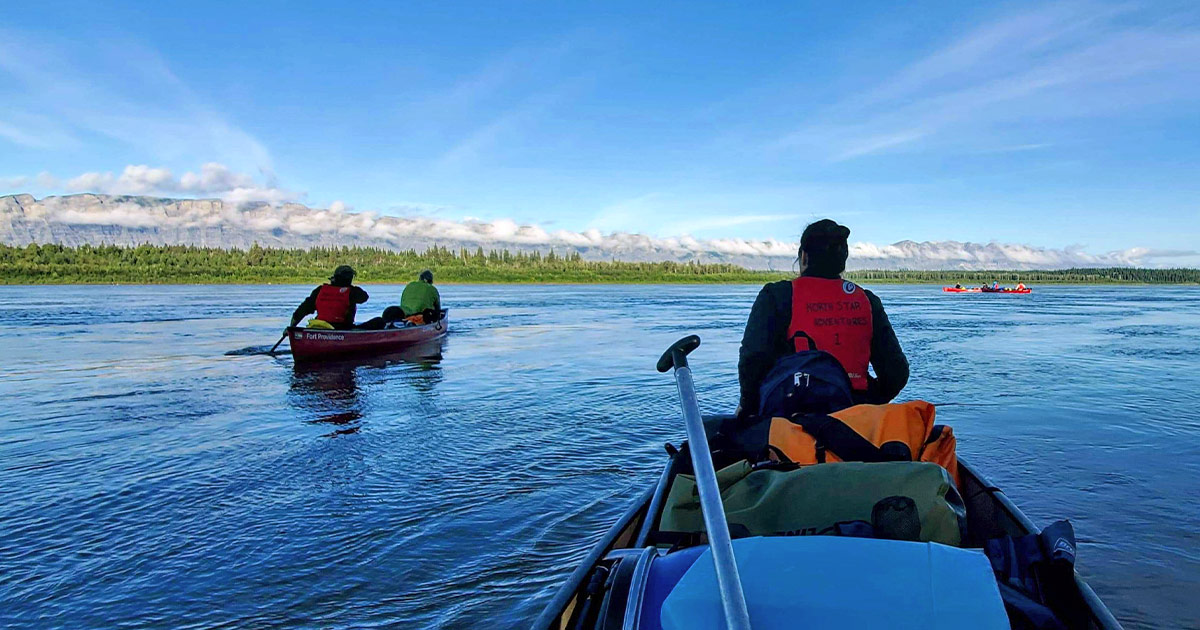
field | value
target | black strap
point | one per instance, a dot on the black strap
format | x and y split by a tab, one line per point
837	436
812	345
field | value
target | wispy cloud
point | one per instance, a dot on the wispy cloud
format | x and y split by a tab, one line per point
624	215
703	224
1057	62
59	93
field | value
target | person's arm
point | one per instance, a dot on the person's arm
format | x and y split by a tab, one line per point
437	300
358	295
307	307
887	357
757	353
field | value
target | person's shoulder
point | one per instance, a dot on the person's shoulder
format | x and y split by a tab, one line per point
779	286
778	290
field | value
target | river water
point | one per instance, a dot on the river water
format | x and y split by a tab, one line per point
147	480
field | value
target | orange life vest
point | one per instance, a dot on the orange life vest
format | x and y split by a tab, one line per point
835	315
866	433
333	305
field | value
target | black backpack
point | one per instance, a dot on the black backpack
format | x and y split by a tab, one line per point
810	381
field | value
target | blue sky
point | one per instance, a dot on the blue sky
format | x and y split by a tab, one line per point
1049	124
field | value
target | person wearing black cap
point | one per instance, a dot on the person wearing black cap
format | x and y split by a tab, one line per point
824	311
336	302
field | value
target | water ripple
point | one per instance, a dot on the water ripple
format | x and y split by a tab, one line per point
149	481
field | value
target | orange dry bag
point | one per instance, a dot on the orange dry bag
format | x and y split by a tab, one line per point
865	433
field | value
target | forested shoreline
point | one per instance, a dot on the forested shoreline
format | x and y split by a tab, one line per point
177	264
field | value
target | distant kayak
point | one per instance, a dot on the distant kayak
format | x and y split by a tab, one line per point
309	344
983	290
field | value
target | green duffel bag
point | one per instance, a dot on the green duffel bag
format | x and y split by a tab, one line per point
816	499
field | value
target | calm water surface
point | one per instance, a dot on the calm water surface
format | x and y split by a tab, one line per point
149	481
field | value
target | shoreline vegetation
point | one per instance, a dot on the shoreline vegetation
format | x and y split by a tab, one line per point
179	264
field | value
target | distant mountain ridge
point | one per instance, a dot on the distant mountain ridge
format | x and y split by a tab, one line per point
97	219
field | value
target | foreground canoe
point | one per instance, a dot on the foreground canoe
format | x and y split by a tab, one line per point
310	344
609	588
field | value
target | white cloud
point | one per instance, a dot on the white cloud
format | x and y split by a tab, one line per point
215	180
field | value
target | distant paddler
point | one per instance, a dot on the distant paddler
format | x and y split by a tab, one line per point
335	302
420	300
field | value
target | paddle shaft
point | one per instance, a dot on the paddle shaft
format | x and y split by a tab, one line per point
733	600
272	350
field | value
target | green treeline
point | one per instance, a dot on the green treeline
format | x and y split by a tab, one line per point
177	264
1105	275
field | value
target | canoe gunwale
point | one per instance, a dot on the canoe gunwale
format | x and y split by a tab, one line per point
566	594
656	502
1102	617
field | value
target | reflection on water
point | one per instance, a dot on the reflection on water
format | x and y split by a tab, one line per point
147	478
348	420
328	392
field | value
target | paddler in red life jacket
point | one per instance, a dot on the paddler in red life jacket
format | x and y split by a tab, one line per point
334	303
841	317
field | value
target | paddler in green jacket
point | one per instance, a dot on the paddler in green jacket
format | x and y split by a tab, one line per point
419	297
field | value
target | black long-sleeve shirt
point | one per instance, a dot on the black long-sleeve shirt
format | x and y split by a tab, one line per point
309	305
766	341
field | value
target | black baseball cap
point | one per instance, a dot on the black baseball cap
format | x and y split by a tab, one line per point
819	235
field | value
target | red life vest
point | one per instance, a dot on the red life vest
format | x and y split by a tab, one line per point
836	315
333	305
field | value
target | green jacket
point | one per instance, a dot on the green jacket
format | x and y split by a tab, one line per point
419	296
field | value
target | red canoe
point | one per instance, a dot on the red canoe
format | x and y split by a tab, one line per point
310	344
982	290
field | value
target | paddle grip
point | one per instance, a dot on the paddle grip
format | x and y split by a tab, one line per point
676	355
